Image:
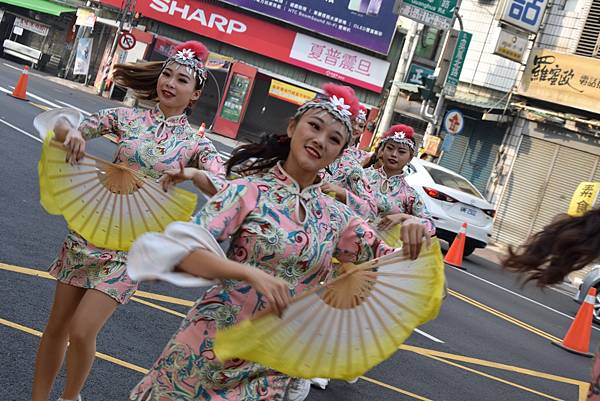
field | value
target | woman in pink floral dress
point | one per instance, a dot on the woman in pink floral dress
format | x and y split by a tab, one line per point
397	202
345	177
152	141
284	232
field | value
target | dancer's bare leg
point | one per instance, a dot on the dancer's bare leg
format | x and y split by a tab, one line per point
92	313
53	344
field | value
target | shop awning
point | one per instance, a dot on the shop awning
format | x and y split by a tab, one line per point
43	6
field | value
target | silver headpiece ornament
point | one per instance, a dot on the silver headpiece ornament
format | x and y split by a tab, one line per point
402	139
361	116
187	57
336	106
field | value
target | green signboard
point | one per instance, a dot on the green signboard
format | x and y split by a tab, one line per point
436	13
234	100
416	73
458	60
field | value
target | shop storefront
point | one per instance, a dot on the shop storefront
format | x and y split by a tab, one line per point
472	153
34	32
274	53
552	147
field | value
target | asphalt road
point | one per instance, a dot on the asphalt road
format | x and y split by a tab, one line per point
491	340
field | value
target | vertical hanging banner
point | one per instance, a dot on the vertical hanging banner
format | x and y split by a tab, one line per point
457	62
82	58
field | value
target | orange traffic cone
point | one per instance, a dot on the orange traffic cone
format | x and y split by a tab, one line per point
577	339
20	91
202	130
454	256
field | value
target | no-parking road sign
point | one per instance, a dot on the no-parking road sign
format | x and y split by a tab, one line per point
127	41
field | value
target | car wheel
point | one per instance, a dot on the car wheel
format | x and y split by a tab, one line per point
597	306
470	248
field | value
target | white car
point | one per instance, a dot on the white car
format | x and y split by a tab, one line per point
452	200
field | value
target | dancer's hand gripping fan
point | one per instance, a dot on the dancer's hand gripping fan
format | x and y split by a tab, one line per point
108	204
344	327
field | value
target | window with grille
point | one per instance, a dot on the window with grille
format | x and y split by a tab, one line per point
589	42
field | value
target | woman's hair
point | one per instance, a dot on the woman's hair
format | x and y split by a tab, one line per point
257	157
374	157
142	78
565	245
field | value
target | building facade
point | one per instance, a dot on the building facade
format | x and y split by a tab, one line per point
286	50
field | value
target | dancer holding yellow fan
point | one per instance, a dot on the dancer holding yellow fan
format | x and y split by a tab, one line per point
91	279
284	233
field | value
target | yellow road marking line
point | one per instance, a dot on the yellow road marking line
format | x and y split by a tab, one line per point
141	294
583	386
139	369
504	316
492	377
26	270
100	355
155	306
490	364
40	106
164	298
423	351
396	389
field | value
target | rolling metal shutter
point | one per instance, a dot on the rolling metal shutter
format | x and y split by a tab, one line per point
518	206
571	167
589	41
474	151
541	185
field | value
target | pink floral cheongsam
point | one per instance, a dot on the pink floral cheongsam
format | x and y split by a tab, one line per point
149	142
347	172
394	195
263	215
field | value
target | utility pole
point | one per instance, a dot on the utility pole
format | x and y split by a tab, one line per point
106	69
405	58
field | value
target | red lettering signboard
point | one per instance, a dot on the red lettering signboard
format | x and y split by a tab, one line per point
221	24
265	38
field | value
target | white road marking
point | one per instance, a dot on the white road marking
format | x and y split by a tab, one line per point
432	338
41	99
74	107
4	90
20	130
521	296
21	70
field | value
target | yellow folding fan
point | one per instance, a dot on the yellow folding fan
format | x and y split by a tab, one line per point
108	204
342	328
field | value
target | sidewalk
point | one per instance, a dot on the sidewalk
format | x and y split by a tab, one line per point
496	252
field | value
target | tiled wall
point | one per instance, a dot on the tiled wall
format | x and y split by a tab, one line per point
482	67
564	24
561	33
